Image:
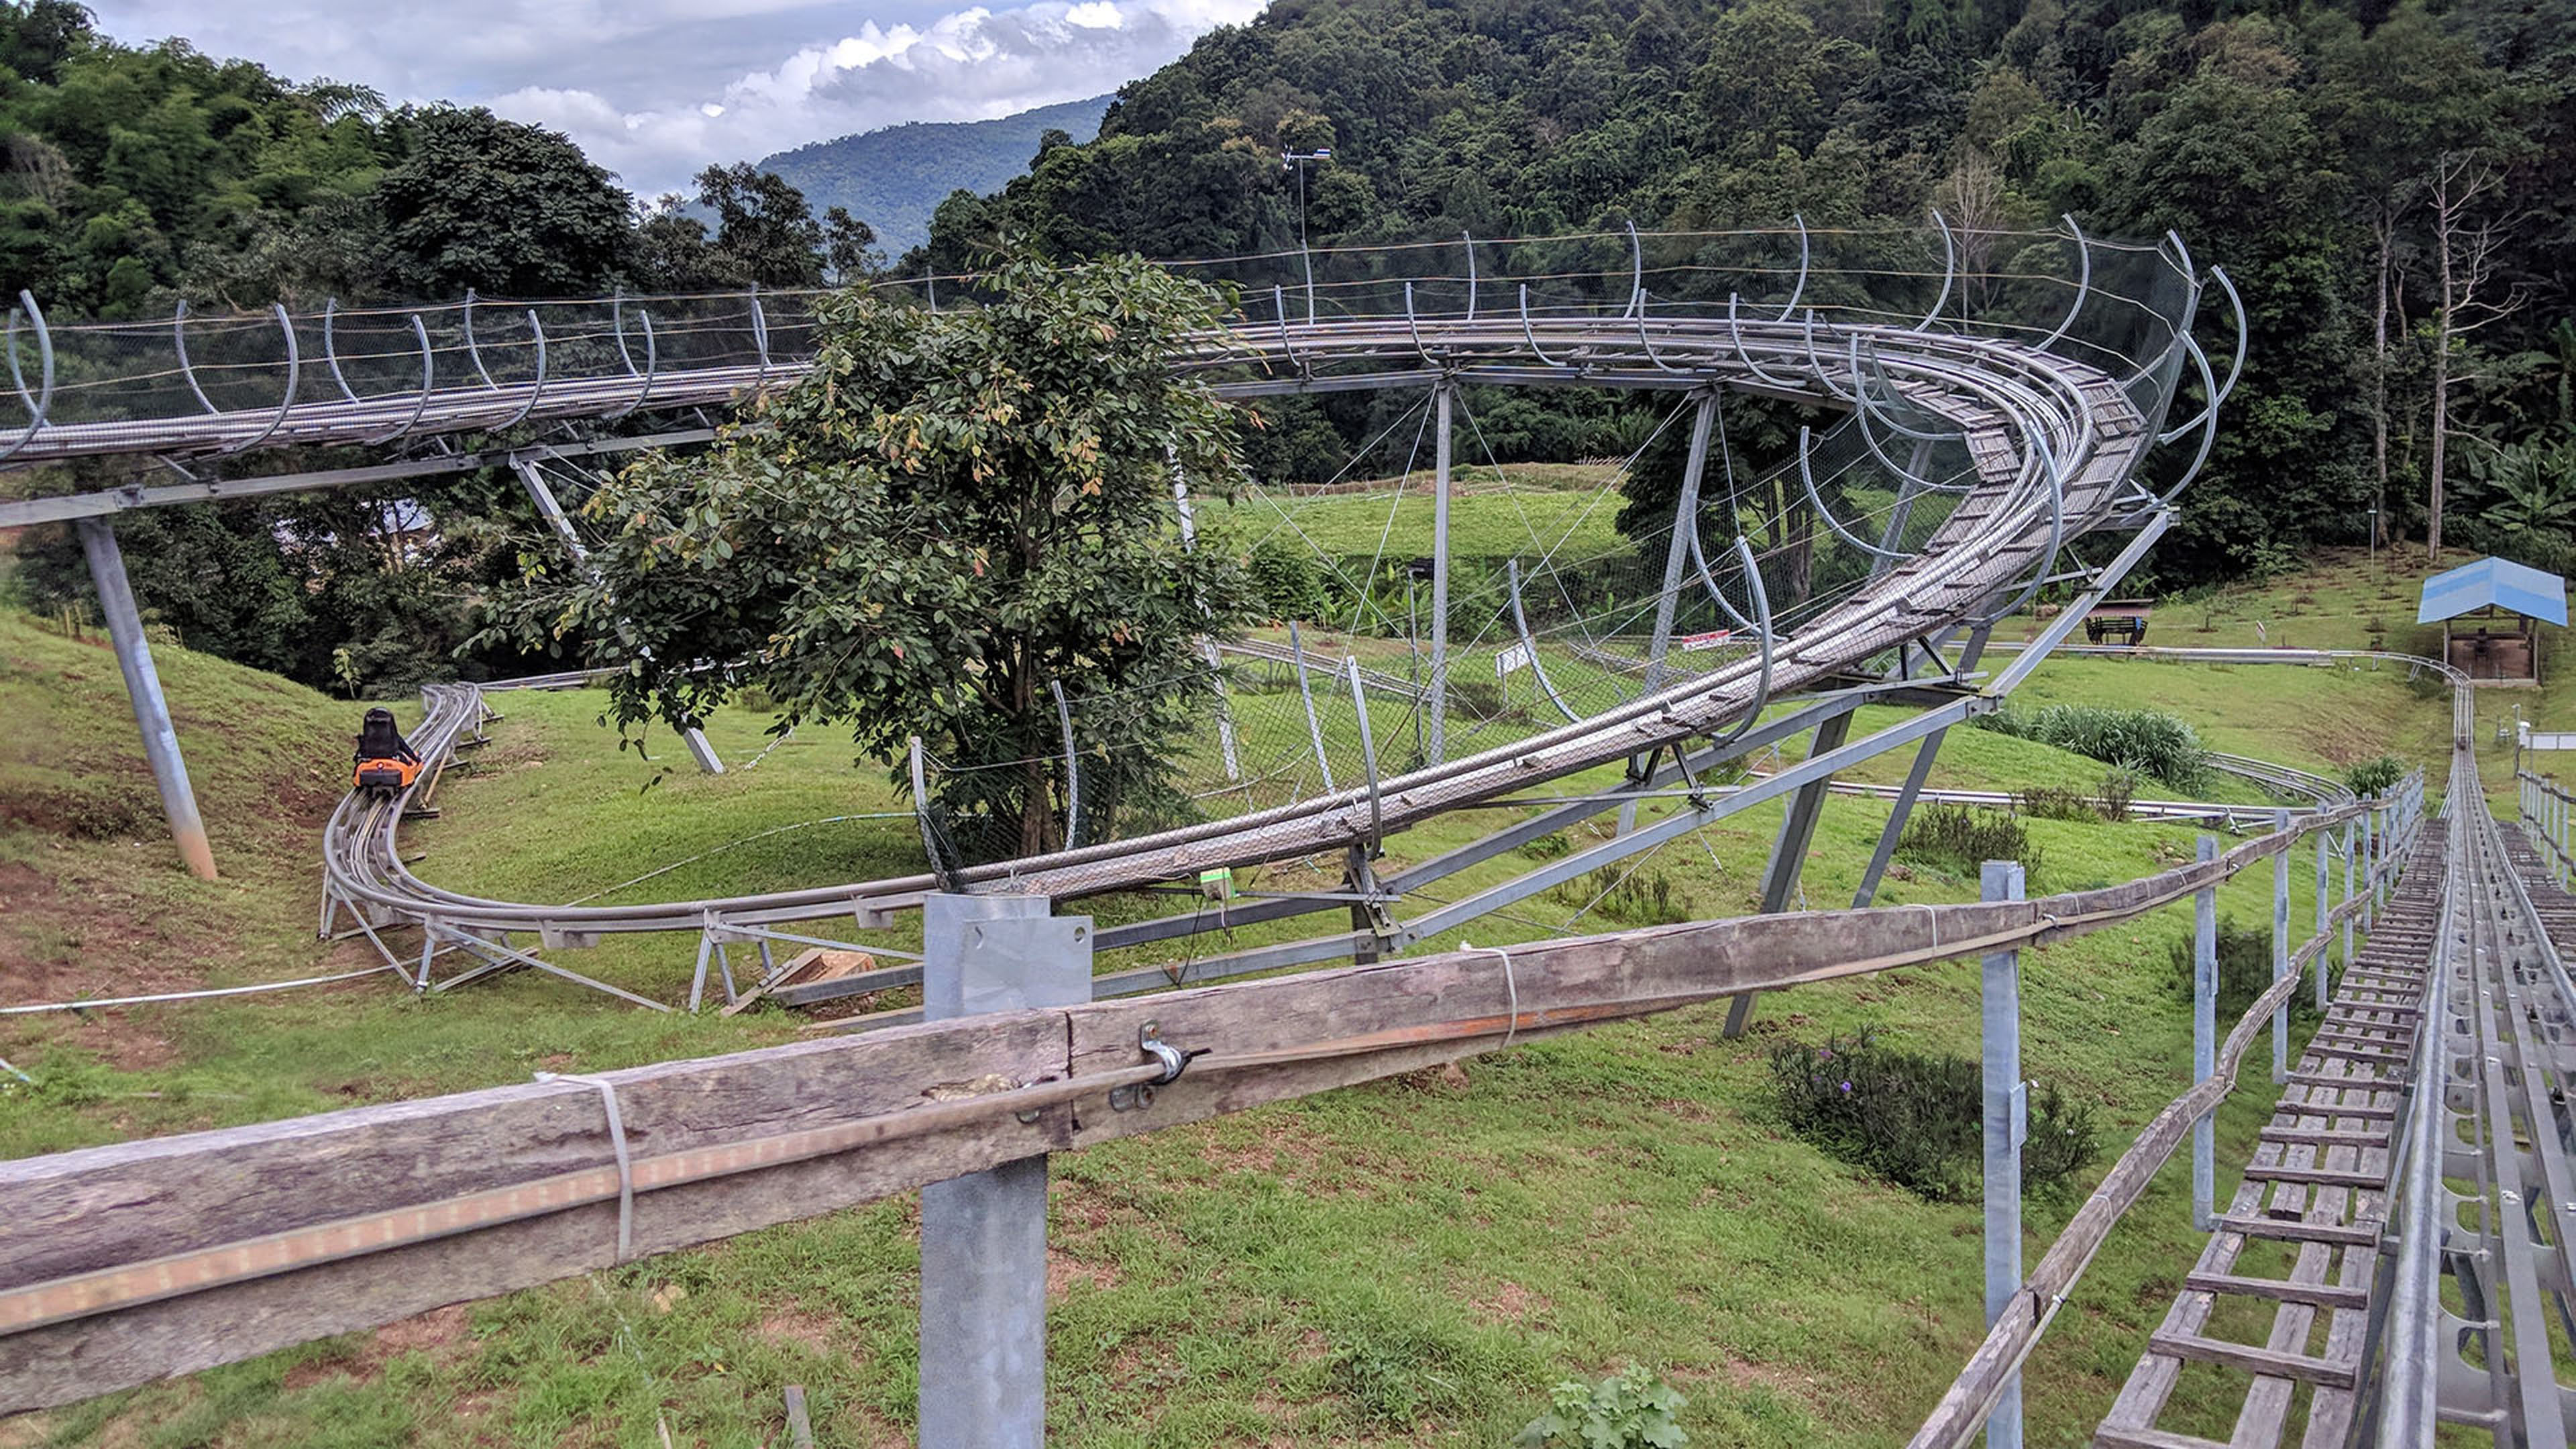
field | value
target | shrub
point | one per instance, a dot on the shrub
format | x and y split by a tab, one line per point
2425	684
1917	1120
1630	1410
1638	899
1284	577
2119	792
1957	839
2052	802
2144	741
2244	970
2373	778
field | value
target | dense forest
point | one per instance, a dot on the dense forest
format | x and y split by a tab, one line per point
132	178
2393	187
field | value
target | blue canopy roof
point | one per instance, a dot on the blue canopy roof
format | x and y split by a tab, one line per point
2493	581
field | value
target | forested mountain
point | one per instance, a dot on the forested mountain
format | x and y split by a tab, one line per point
2329	154
896	177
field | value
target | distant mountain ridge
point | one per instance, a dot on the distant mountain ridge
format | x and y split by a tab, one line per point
894	178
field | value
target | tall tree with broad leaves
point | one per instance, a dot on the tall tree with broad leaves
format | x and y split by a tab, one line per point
511	209
953	514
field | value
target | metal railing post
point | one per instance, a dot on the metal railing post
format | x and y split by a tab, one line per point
2351	842
2006	1125
2324	909
2281	952
143	690
983	1236
2369	866
2204	1040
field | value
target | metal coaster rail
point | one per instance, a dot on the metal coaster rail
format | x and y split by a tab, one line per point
2057	442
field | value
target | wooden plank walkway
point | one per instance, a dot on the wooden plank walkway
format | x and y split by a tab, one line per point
2295	1250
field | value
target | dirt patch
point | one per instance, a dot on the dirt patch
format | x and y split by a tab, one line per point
798	1328
1066	1273
1511	1303
439	1333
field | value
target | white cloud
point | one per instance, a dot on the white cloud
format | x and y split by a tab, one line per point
656	89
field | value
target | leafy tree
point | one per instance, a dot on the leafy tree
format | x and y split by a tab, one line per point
765	233
953	514
513	210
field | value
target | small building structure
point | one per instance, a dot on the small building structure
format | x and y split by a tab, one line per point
2503	601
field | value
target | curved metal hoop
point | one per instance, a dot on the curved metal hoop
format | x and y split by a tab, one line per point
536	330
1860	394
652	362
43	402
428	376
2083	280
759	340
1708	579
1529	334
1743	354
2207	422
1636	272
1469	238
331	347
1816	363
1415	327
1648	343
2236	306
1805	252
294	375
1287	340
1816	500
1762	614
1949	271
474	350
1520	622
187	369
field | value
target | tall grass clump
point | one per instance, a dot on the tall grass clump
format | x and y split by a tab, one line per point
1917	1119
2244	970
1957	839
2147	742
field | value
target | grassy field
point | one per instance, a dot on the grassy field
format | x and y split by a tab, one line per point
1409	1262
1528	507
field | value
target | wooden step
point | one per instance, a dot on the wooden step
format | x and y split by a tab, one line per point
2279	1290
2327	1136
2317	1176
2300	1230
2114	1437
2265	1362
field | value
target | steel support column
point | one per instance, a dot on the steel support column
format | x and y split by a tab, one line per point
143	689
1676	559
1436	702
551	510
2204	1041
2006	1124
1789	849
983	1236
2325	889
1902	810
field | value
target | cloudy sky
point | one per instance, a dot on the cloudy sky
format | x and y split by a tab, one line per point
654	89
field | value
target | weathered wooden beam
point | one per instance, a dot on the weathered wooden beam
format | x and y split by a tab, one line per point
277	1233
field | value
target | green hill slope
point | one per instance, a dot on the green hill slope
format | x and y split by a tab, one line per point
895	178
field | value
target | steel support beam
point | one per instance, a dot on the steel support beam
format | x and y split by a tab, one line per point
1789	849
143	689
550	509
1902	810
983	1236
71	506
2204	1041
1676	559
2006	1125
1436	702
